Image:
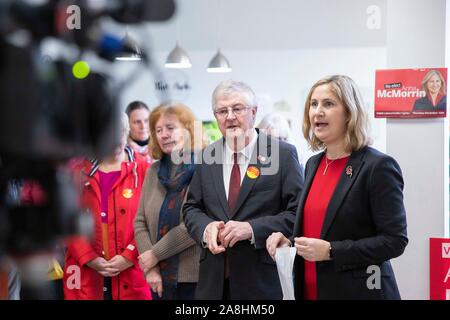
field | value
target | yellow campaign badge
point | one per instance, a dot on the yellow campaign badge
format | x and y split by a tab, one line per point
55	272
252	172
127	193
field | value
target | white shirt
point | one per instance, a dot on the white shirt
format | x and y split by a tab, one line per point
243	160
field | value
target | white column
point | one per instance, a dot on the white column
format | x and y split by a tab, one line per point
416	38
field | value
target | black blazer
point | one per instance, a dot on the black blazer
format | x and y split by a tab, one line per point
268	203
365	223
424	104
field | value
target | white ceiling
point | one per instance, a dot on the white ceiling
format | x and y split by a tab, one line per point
268	25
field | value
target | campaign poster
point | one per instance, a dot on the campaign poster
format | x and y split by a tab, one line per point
439	269
411	93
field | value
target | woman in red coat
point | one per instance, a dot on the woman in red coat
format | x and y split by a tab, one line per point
106	267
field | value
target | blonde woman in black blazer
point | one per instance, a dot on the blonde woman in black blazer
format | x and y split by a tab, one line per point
352	203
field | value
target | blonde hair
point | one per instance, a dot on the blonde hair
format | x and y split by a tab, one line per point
183	114
442	89
357	131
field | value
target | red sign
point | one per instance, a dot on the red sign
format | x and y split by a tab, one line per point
411	93
439	269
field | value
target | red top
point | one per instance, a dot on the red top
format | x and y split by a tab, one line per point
438	99
316	205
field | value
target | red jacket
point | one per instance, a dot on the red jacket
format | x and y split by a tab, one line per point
82	282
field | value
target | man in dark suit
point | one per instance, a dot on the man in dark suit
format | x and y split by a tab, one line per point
247	186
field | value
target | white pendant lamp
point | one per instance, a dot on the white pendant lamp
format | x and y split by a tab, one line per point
219	63
135	55
178	59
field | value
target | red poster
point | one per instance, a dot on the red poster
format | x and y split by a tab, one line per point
439	269
411	93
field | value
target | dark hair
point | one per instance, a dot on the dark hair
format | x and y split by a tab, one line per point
135	105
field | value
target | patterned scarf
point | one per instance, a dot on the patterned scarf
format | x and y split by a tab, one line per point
169	215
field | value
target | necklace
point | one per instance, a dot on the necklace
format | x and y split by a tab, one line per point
327	164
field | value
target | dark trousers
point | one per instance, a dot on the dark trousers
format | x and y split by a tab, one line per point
107	288
226	289
183	291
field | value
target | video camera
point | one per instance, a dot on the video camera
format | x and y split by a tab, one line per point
47	116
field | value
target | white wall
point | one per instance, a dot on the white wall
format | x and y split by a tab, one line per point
280	48
446	133
416	38
274	76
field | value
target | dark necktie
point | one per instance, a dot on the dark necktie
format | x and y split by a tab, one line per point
233	192
235	185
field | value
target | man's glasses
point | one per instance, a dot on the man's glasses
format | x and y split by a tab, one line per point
237	110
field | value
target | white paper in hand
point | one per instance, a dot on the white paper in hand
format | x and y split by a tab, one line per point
284	257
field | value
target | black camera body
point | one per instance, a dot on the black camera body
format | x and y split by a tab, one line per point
47	113
48	116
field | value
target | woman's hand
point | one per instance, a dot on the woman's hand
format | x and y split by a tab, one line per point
120	263
274	241
103	267
154	280
312	249
147	260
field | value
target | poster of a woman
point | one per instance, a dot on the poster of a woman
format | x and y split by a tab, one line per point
411	93
433	84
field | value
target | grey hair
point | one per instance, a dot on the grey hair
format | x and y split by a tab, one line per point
230	87
124	125
275	121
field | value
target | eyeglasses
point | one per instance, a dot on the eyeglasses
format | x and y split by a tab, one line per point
237	110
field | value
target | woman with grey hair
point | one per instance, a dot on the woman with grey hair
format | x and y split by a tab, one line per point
275	125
